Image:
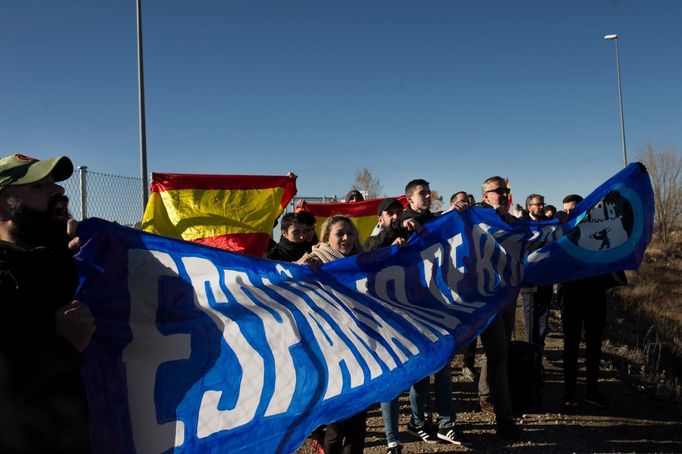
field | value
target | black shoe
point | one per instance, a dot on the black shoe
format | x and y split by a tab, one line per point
450	435
421	432
596	399
509	430
569	402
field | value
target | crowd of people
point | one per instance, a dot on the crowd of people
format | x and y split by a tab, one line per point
42	399
582	303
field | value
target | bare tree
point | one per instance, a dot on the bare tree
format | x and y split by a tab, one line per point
436	201
665	170
366	183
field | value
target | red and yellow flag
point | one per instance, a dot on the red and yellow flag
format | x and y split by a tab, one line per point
362	214
232	212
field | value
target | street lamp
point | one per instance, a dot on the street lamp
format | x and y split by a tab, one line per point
614	38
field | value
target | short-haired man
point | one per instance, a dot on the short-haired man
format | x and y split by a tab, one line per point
296	239
43	329
418	194
583	308
536	300
493	383
469	352
393	230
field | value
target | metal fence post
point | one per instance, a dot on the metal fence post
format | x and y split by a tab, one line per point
82	173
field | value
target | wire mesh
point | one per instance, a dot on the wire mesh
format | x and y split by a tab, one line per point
115	198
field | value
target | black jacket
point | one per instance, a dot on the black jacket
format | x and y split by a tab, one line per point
287	251
43	399
387	236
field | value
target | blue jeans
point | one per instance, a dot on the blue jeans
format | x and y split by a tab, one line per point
390	412
419	395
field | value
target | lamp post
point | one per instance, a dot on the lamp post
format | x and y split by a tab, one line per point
614	38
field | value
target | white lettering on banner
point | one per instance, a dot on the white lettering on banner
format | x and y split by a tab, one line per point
148	349
212	420
485	270
334	349
383	329
350	328
280	336
420	315
432	258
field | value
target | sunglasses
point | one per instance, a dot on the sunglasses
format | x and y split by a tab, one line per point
499	191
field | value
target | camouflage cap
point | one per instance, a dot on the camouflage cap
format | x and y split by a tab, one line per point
19	169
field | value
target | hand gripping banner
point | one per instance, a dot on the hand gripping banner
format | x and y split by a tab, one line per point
203	350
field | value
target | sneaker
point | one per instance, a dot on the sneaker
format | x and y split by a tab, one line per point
468	374
509	430
596	399
486	407
421	432
450	435
395	449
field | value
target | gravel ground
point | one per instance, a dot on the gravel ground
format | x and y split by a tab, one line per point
636	422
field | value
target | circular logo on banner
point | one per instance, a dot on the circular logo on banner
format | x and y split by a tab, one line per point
610	230
606	226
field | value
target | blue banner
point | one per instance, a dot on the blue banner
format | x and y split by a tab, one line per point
199	349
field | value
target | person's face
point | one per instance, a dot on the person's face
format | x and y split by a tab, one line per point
420	199
549	214
568	207
390	215
459	198
536	206
44	196
38	212
296	233
496	194
354	198
342	237
308	232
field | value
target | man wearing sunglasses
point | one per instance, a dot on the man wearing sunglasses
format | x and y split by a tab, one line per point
493	384
536	300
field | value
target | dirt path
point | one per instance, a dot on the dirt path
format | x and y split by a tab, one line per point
634	423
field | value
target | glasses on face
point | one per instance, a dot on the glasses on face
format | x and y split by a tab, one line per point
539	204
499	191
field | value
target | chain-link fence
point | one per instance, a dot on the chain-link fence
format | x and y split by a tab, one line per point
119	199
112	197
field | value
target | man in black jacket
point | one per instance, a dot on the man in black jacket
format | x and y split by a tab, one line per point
536	300
298	237
43	332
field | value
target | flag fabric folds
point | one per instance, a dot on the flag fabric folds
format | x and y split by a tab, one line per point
362	214
231	212
202	350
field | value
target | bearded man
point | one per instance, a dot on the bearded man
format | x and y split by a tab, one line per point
43	332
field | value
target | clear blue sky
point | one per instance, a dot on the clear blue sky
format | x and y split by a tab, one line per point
449	91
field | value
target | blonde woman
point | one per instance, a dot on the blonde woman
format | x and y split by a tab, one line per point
339	239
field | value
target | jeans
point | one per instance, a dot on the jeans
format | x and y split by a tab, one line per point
390	412
419	395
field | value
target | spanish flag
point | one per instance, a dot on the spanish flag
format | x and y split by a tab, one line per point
232	212
362	214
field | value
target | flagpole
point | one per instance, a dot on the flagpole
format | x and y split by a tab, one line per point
143	126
